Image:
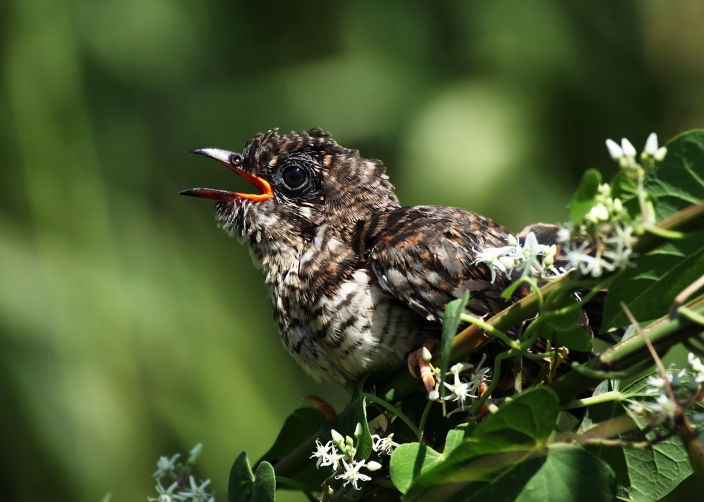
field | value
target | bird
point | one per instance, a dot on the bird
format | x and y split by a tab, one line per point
357	282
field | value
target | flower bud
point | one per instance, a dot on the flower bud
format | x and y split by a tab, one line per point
651	144
358	430
427	356
628	149
660	153
337	438
194	454
615	151
373	466
390	395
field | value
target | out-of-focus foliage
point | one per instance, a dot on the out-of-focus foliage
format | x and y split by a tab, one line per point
130	327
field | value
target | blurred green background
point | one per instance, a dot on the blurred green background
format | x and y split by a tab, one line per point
130	326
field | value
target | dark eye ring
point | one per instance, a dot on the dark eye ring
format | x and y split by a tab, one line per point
236	159
294	177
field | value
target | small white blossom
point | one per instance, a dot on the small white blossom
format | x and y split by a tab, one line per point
664	406
384	445
165	495
523	258
165	465
492	256
697	367
565	233
599	212
655	384
196	493
327	455
462	390
352	474
637	407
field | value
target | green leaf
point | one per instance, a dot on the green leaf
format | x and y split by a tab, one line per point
583	199
244	486
241	480
642	475
565	329
346	422
298	427
566	473
264	483
624	187
450	322
649	288
678	180
409	461
457	436
512	432
530	416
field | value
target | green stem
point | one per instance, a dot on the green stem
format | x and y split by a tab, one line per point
495	377
390	407
299	486
628	354
423	419
612	395
691	315
489	329
539	356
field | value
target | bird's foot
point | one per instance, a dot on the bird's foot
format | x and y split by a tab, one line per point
322	406
416	358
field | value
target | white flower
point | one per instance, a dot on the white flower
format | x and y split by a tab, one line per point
327	455
478	375
697	367
565	233
664	406
352	474
196	493
491	256
676	379
384	444
165	495
637	407
598	212
655	384
165	465
615	151
459	391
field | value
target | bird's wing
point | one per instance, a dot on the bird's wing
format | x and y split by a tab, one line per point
425	256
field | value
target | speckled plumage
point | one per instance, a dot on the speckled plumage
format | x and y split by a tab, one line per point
356	280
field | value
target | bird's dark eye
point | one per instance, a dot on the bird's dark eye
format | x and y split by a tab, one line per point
236	159
294	177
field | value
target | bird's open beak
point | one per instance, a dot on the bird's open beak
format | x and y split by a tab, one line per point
225	158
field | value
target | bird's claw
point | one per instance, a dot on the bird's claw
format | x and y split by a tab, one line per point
416	358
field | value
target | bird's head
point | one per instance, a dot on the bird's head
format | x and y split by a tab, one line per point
303	180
